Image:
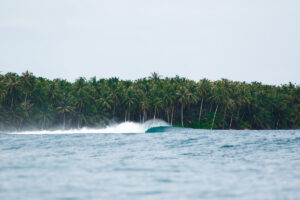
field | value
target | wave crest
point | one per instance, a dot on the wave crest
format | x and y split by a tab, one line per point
125	127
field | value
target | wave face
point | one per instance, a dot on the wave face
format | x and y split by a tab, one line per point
156	129
125	127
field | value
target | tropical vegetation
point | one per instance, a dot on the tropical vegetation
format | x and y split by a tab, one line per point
30	102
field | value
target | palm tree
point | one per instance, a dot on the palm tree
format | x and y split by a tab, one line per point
65	109
182	99
45	118
191	96
80	119
115	89
2	90
217	99
129	101
26	106
27	80
231	106
155	76
144	105
169	98
157	103
12	84
104	104
203	90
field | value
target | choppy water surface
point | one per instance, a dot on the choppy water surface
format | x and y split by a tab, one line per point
177	164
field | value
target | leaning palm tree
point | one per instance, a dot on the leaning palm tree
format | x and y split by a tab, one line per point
231	107
217	98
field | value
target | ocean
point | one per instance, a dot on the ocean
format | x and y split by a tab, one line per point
125	162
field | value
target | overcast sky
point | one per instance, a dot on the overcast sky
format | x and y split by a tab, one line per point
245	40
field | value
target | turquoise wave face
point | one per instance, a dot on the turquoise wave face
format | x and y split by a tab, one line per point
158	129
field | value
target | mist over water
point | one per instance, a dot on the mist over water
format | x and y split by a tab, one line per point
124	127
175	164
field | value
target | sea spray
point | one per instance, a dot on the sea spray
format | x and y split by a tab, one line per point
125	127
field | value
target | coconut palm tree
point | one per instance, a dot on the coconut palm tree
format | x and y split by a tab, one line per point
129	101
182	99
217	98
144	106
27	81
231	106
44	117
157	104
11	84
203	91
64	109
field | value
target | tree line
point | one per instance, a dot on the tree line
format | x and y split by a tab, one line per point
30	102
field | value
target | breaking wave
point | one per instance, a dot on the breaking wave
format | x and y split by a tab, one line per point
125	127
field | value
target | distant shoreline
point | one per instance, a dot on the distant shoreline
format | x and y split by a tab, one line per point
30	102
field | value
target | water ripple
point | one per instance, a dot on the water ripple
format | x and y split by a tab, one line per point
179	164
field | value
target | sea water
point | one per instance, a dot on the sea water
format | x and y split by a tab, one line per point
173	164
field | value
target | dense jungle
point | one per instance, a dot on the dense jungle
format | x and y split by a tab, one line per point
30	102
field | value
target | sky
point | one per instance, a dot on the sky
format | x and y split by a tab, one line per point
241	40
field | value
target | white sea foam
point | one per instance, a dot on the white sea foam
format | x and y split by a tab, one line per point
125	127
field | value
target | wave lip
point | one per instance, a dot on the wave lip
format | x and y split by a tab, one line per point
125	127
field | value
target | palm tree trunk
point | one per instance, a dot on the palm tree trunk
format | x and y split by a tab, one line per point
182	115
11	104
25	98
172	114
210	107
43	124
242	116
20	124
213	121
224	118
128	112
168	115
230	121
64	121
114	110
140	117
200	112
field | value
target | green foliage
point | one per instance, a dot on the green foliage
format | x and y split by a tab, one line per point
33	102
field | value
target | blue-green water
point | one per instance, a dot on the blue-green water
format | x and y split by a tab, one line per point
176	164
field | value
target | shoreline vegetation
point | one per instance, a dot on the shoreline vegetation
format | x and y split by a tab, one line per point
30	102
